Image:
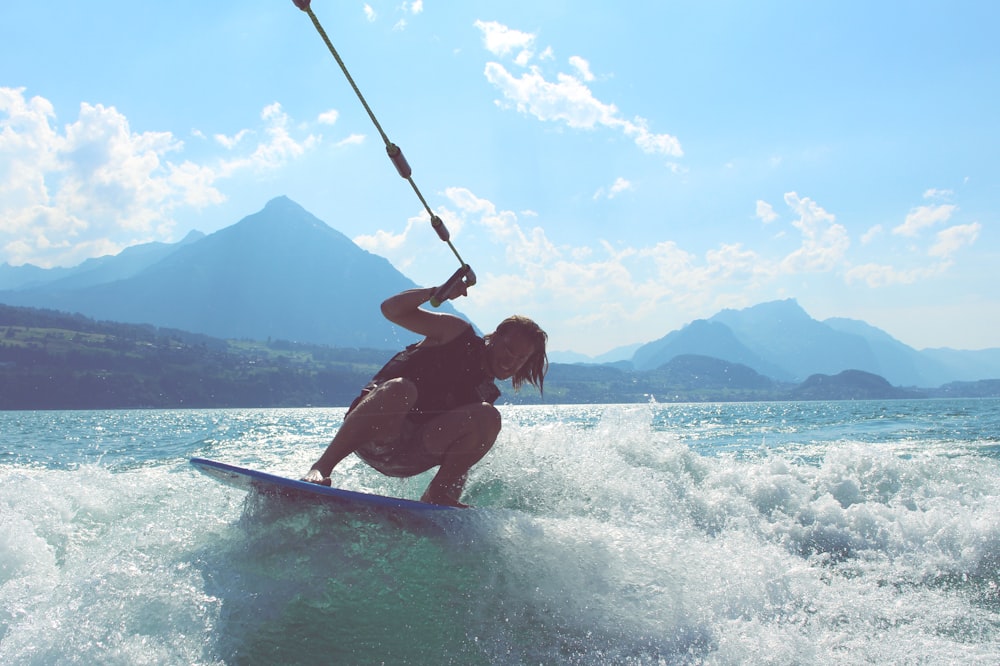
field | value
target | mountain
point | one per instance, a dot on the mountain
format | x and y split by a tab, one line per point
780	340
279	273
690	371
54	360
129	262
616	355
965	365
283	274
706	338
849	385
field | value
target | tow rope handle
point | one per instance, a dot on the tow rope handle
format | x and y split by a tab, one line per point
464	274
456	285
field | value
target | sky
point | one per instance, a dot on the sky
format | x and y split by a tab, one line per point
612	170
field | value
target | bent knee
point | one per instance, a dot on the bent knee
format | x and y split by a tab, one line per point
400	387
488	418
393	394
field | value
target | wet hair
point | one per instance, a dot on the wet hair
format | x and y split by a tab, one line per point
534	368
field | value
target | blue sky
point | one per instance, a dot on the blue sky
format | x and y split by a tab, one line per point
614	170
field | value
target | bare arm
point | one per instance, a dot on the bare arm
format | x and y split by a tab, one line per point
404	309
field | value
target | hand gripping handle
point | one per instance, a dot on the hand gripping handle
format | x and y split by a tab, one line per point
456	286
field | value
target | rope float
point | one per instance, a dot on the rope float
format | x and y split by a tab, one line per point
464	274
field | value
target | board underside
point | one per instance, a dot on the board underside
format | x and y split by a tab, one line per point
250	479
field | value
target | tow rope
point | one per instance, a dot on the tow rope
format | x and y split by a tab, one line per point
464	274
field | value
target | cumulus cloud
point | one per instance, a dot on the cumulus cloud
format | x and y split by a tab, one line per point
824	241
566	98
328	117
620	185
94	185
922	217
231	142
582	67
352	140
869	236
502	41
765	212
608	286
950	240
912	264
934	193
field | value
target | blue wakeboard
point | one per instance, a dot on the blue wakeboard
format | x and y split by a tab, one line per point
251	479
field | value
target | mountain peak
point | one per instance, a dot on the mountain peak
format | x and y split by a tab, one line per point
282	226
771	310
192	236
282	203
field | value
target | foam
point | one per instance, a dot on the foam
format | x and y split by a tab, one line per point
614	535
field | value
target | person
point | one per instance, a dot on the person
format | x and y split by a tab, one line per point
431	405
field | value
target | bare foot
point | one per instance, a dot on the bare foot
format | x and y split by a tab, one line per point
442	500
315	476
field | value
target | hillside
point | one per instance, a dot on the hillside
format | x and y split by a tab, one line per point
51	360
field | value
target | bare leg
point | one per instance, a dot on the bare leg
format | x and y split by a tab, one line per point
462	437
378	417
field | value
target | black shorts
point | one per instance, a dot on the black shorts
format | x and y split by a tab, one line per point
402	457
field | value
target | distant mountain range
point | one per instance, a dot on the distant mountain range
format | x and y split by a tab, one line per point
54	360
279	273
780	340
283	274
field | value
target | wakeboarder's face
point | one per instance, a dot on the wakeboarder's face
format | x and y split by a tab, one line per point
509	352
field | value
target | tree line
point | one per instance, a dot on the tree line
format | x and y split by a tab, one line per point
54	360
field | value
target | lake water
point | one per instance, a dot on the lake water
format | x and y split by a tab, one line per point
770	533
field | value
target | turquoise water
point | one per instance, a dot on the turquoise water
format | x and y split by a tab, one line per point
772	533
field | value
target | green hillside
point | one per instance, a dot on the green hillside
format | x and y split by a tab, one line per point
53	360
50	360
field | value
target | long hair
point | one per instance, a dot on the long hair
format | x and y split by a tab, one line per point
534	369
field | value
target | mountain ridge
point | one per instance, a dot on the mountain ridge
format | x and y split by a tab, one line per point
53	360
283	273
280	272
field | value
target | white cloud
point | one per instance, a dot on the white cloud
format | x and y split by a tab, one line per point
824	241
278	148
328	117
567	99
95	186
765	212
351	140
871	234
608	288
924	216
386	243
415	7
502	41
620	185
954	238
581	66
231	142
370	14
934	193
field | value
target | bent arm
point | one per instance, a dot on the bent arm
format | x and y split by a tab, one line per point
404	309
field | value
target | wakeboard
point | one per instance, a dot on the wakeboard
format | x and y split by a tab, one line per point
251	479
